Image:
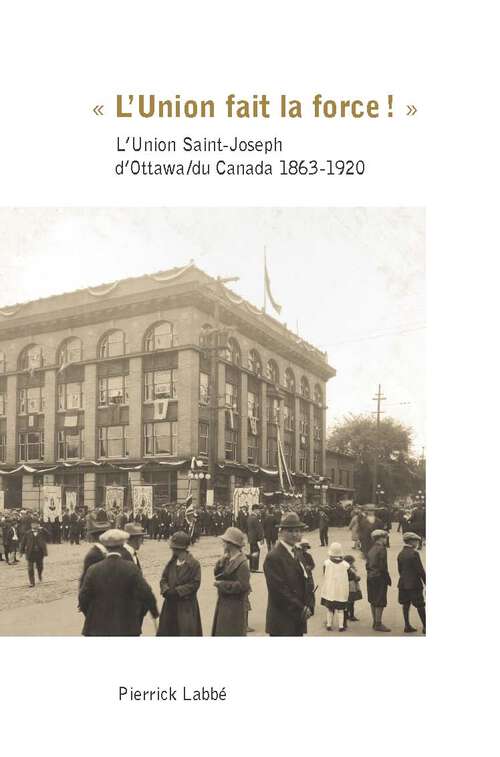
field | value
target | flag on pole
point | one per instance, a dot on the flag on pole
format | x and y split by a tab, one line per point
267	287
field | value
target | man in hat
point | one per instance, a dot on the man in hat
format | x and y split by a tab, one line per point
98	551
411	580
114	596
368	522
255	534
378	578
289	598
34	546
136	538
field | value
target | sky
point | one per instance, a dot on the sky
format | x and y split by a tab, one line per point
351	280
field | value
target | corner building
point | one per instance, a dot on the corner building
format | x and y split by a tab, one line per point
127	382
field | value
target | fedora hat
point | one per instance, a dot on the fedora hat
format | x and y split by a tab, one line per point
291	521
234	536
180	540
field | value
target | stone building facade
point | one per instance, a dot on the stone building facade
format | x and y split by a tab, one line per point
139	380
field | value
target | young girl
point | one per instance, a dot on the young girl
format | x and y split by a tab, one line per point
335	590
354	590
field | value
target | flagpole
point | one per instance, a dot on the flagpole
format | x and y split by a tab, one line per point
265	288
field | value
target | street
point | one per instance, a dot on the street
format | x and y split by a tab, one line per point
50	609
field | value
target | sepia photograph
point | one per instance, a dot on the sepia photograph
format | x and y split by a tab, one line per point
212	422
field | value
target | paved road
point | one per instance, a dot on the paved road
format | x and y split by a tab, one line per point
50	608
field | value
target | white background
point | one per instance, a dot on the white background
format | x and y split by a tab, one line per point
314	695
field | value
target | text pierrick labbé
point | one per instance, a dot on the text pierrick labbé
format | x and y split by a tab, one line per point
172	694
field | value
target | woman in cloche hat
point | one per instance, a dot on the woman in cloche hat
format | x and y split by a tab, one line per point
179	584
232	580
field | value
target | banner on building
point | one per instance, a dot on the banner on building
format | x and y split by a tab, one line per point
115	496
210	497
245	496
2	500
142	501
52	503
160	410
70	496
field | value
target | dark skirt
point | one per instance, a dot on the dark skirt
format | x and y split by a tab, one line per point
333	604
377	591
413	597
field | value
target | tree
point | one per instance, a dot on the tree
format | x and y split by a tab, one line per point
399	473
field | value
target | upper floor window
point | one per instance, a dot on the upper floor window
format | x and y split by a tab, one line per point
31	400
113	390
289	380
113	441
233	352
232	396
3	362
272	372
203	440
70	444
288	417
31	358
3	404
70	351
161	336
304	387
3	447
112	344
160	385
160	438
30	445
254	362
273	410
318	394
70	396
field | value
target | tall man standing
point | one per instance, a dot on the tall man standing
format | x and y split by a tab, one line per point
255	534
289	599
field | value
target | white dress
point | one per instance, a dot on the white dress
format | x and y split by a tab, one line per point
335	589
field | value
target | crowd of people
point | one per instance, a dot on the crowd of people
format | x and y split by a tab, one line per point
114	596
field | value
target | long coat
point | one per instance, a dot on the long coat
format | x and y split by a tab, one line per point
180	614
114	598
411	570
288	593
231	611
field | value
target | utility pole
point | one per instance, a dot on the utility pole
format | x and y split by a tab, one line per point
379	398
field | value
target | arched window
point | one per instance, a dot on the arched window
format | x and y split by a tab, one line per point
112	344
318	394
233	352
31	358
289	380
254	362
272	372
70	351
160	337
3	362
304	387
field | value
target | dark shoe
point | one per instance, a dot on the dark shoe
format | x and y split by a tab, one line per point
383	629
423	631
410	629
353	618
344	628
32	586
328	628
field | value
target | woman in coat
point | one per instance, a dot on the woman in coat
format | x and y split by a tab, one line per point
179	583
232	580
